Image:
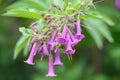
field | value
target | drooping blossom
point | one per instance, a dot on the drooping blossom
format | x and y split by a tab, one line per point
32	53
57	57
78	34
51	67
51	41
62	39
72	37
32	42
69	49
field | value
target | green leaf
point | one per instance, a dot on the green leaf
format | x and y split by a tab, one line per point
96	36
101	16
101	28
26	32
26	47
20	45
24	13
36	4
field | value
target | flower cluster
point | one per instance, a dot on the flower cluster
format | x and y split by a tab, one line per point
62	31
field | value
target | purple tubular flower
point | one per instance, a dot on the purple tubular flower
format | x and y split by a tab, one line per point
69	49
57	57
51	67
117	4
78	35
32	53
52	39
32	42
62	39
45	49
73	39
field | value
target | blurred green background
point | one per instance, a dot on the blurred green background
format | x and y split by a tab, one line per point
90	63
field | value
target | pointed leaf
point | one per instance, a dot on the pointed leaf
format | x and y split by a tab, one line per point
26	47
26	32
29	13
20	45
36	4
95	35
101	27
101	16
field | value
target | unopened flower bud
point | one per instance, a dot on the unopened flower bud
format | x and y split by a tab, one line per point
46	17
90	5
49	9
58	7
42	13
54	5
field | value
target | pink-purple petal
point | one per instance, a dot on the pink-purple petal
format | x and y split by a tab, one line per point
51	68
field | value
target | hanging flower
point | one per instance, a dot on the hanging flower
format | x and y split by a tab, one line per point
78	35
32	53
51	67
69	49
72	37
57	57
62	39
51	42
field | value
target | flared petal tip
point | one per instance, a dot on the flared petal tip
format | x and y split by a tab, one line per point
50	75
29	62
62	40
69	51
79	36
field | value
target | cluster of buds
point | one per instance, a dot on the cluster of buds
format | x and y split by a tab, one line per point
56	6
62	31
